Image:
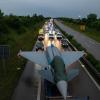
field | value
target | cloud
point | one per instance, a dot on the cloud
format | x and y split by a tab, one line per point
71	8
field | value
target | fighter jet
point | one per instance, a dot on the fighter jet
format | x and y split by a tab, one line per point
55	65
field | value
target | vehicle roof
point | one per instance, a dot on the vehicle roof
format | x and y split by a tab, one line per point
58	33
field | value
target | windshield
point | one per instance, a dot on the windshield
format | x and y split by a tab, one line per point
59	34
50	34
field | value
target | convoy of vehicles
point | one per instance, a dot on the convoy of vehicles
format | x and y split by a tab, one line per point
51	36
59	35
39	46
41	35
64	43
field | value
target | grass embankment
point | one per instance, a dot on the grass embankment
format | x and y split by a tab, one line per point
10	75
92	33
90	58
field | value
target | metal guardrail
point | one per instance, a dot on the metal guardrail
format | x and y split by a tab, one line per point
67	98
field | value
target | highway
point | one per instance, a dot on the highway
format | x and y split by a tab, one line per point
27	88
92	46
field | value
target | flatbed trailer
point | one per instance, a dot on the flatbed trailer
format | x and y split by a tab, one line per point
51	93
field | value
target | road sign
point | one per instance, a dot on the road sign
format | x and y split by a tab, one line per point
4	51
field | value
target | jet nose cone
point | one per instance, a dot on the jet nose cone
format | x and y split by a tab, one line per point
62	87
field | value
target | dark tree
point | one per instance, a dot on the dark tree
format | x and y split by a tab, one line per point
1	13
91	18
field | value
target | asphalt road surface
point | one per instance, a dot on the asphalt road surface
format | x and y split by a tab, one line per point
28	83
83	86
92	46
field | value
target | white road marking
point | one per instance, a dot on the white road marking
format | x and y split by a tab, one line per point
39	90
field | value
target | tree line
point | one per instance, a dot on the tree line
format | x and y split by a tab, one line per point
91	21
17	23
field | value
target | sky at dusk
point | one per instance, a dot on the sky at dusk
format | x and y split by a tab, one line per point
53	8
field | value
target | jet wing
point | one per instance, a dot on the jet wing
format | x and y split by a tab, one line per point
72	74
36	57
47	74
71	57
